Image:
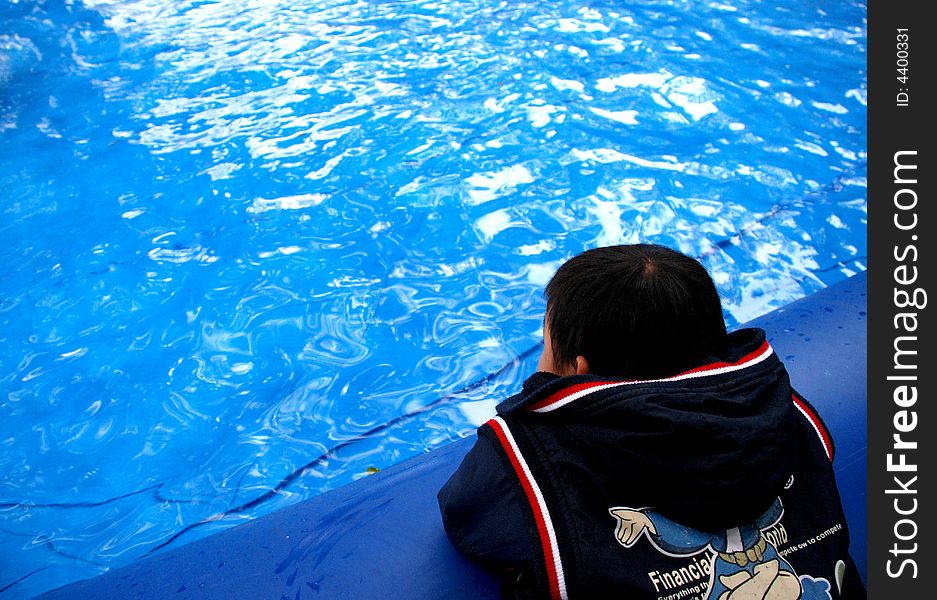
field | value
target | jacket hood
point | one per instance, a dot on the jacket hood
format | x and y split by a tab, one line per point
709	448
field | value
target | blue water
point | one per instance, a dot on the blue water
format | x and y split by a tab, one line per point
254	250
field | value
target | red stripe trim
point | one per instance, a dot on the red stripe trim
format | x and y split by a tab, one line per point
817	425
568	391
700	371
719	365
528	485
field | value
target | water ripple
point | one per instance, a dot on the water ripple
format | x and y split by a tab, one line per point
256	250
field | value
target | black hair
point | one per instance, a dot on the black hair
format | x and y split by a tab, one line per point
637	311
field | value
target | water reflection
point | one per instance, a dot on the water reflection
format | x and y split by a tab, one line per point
254	249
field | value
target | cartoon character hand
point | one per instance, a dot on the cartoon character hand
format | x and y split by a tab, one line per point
631	524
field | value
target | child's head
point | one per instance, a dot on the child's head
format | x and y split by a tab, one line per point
638	312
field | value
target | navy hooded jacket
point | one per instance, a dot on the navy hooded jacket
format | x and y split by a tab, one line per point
715	483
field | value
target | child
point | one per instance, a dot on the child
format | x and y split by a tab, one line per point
653	455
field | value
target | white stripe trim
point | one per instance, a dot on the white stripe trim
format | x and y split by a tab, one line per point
573	397
816	429
718	371
551	533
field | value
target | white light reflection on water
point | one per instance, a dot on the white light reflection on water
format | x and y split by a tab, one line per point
255	248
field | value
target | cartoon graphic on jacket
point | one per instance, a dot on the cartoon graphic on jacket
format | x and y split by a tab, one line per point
735	467
745	565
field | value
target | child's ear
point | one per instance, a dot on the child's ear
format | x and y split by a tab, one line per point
582	365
